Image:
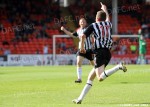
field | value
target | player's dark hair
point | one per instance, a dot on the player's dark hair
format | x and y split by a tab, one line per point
101	15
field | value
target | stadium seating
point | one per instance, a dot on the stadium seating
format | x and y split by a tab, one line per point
37	16
43	22
128	25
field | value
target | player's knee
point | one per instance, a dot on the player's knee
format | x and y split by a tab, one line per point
79	64
92	63
100	79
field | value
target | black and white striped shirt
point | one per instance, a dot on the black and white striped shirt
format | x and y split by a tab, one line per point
102	34
87	43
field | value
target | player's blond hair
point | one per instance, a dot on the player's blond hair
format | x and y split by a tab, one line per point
101	15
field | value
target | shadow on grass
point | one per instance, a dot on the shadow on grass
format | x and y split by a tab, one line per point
134	82
147	103
124	82
1	73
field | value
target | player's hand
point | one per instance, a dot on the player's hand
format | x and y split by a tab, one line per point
103	7
62	28
82	50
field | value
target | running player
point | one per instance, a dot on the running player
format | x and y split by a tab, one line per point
87	46
103	43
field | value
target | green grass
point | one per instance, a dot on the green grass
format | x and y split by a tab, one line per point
53	86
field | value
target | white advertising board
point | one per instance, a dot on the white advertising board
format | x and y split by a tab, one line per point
29	60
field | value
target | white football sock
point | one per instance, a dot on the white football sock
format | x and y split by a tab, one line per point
79	72
85	90
109	72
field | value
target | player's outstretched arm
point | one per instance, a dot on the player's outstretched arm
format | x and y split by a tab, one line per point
67	32
104	8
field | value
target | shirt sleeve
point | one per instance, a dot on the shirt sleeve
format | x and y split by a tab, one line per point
75	34
89	30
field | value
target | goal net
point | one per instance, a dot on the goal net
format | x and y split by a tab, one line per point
125	48
65	49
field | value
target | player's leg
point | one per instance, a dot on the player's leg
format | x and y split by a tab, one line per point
94	72
91	77
92	62
101	73
87	87
99	70
140	56
79	69
107	73
102	61
89	55
142	59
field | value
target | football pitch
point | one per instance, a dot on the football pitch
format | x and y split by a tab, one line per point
53	86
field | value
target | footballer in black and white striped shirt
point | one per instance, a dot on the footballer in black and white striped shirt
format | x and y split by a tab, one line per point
102	34
87	42
103	43
87	46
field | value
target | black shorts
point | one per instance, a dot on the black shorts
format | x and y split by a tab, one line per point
88	55
102	56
